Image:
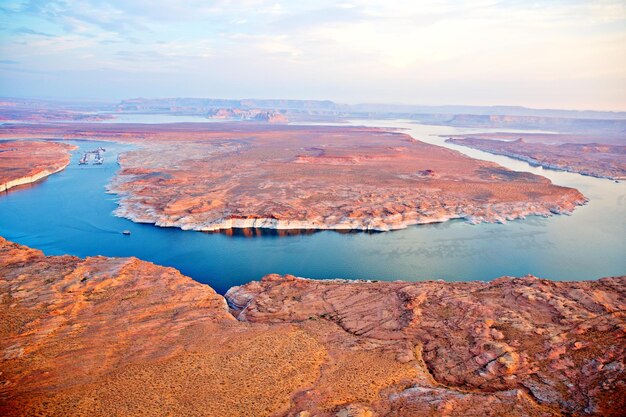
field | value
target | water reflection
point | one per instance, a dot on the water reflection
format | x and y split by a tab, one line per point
250	232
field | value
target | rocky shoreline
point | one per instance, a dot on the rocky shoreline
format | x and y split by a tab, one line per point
30	179
120	336
493	214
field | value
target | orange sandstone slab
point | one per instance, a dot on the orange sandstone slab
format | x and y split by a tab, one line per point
536	346
25	162
119	336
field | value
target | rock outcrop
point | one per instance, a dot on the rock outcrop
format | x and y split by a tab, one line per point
524	346
106	336
342	179
25	162
119	336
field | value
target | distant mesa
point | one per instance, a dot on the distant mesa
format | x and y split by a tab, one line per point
48	111
183	105
259	115
439	114
560	124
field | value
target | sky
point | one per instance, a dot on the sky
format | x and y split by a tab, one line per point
546	54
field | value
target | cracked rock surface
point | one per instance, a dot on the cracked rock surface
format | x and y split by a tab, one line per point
542	347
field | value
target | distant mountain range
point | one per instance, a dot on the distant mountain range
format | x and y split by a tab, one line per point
202	105
509	117
277	110
486	111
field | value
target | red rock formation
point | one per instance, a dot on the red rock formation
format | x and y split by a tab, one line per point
598	160
556	347
552	138
323	178
119	336
24	162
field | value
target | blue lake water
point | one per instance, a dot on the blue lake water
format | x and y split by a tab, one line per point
70	213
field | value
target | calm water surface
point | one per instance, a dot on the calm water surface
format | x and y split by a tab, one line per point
70	213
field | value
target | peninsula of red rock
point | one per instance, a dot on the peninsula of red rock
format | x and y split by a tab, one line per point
219	176
25	162
595	159
152	341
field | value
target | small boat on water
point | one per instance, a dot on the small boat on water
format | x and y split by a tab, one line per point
126	232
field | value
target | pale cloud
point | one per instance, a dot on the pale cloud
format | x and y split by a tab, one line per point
537	53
